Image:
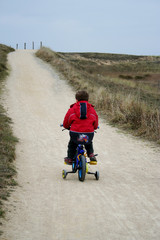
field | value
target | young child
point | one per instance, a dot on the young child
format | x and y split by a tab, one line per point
81	119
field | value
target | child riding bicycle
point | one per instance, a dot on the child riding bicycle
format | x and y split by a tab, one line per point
81	119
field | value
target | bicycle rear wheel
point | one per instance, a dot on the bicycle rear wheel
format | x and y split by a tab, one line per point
82	168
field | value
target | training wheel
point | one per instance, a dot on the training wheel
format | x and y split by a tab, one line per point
97	175
64	174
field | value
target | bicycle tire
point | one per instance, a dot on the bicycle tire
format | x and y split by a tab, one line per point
82	168
97	175
64	173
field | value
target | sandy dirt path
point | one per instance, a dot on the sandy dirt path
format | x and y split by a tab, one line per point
122	205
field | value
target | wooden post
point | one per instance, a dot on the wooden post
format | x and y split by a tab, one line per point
24	45
32	45
17	46
40	44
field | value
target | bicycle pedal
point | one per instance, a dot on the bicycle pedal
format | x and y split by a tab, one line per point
93	162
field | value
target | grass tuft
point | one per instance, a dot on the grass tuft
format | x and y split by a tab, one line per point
7	140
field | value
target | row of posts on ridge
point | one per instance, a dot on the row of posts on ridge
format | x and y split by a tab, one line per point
25	45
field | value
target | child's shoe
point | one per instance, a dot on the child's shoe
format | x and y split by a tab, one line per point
68	161
93	160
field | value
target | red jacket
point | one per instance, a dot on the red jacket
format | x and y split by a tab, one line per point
81	117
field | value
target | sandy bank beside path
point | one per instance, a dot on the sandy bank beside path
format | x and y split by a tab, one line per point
123	204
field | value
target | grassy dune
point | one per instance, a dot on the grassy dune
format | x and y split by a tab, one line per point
124	88
7	140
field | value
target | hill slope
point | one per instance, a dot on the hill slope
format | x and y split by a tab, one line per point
123	204
125	88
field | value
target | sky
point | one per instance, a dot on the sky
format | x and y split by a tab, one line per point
107	26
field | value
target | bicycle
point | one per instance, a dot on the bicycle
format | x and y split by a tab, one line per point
80	163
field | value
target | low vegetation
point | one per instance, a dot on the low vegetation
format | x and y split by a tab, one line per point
124	88
7	140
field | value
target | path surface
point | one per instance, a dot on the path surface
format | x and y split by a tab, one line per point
122	205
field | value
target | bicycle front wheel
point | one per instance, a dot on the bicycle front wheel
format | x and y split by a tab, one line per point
82	168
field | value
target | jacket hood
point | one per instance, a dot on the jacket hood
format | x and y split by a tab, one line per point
82	109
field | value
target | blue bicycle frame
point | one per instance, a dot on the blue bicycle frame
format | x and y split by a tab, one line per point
80	163
76	163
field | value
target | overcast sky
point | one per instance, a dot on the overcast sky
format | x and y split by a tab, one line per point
109	26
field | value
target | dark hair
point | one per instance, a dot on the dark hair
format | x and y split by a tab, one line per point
82	95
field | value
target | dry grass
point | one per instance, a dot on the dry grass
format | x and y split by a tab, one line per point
125	88
7	140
